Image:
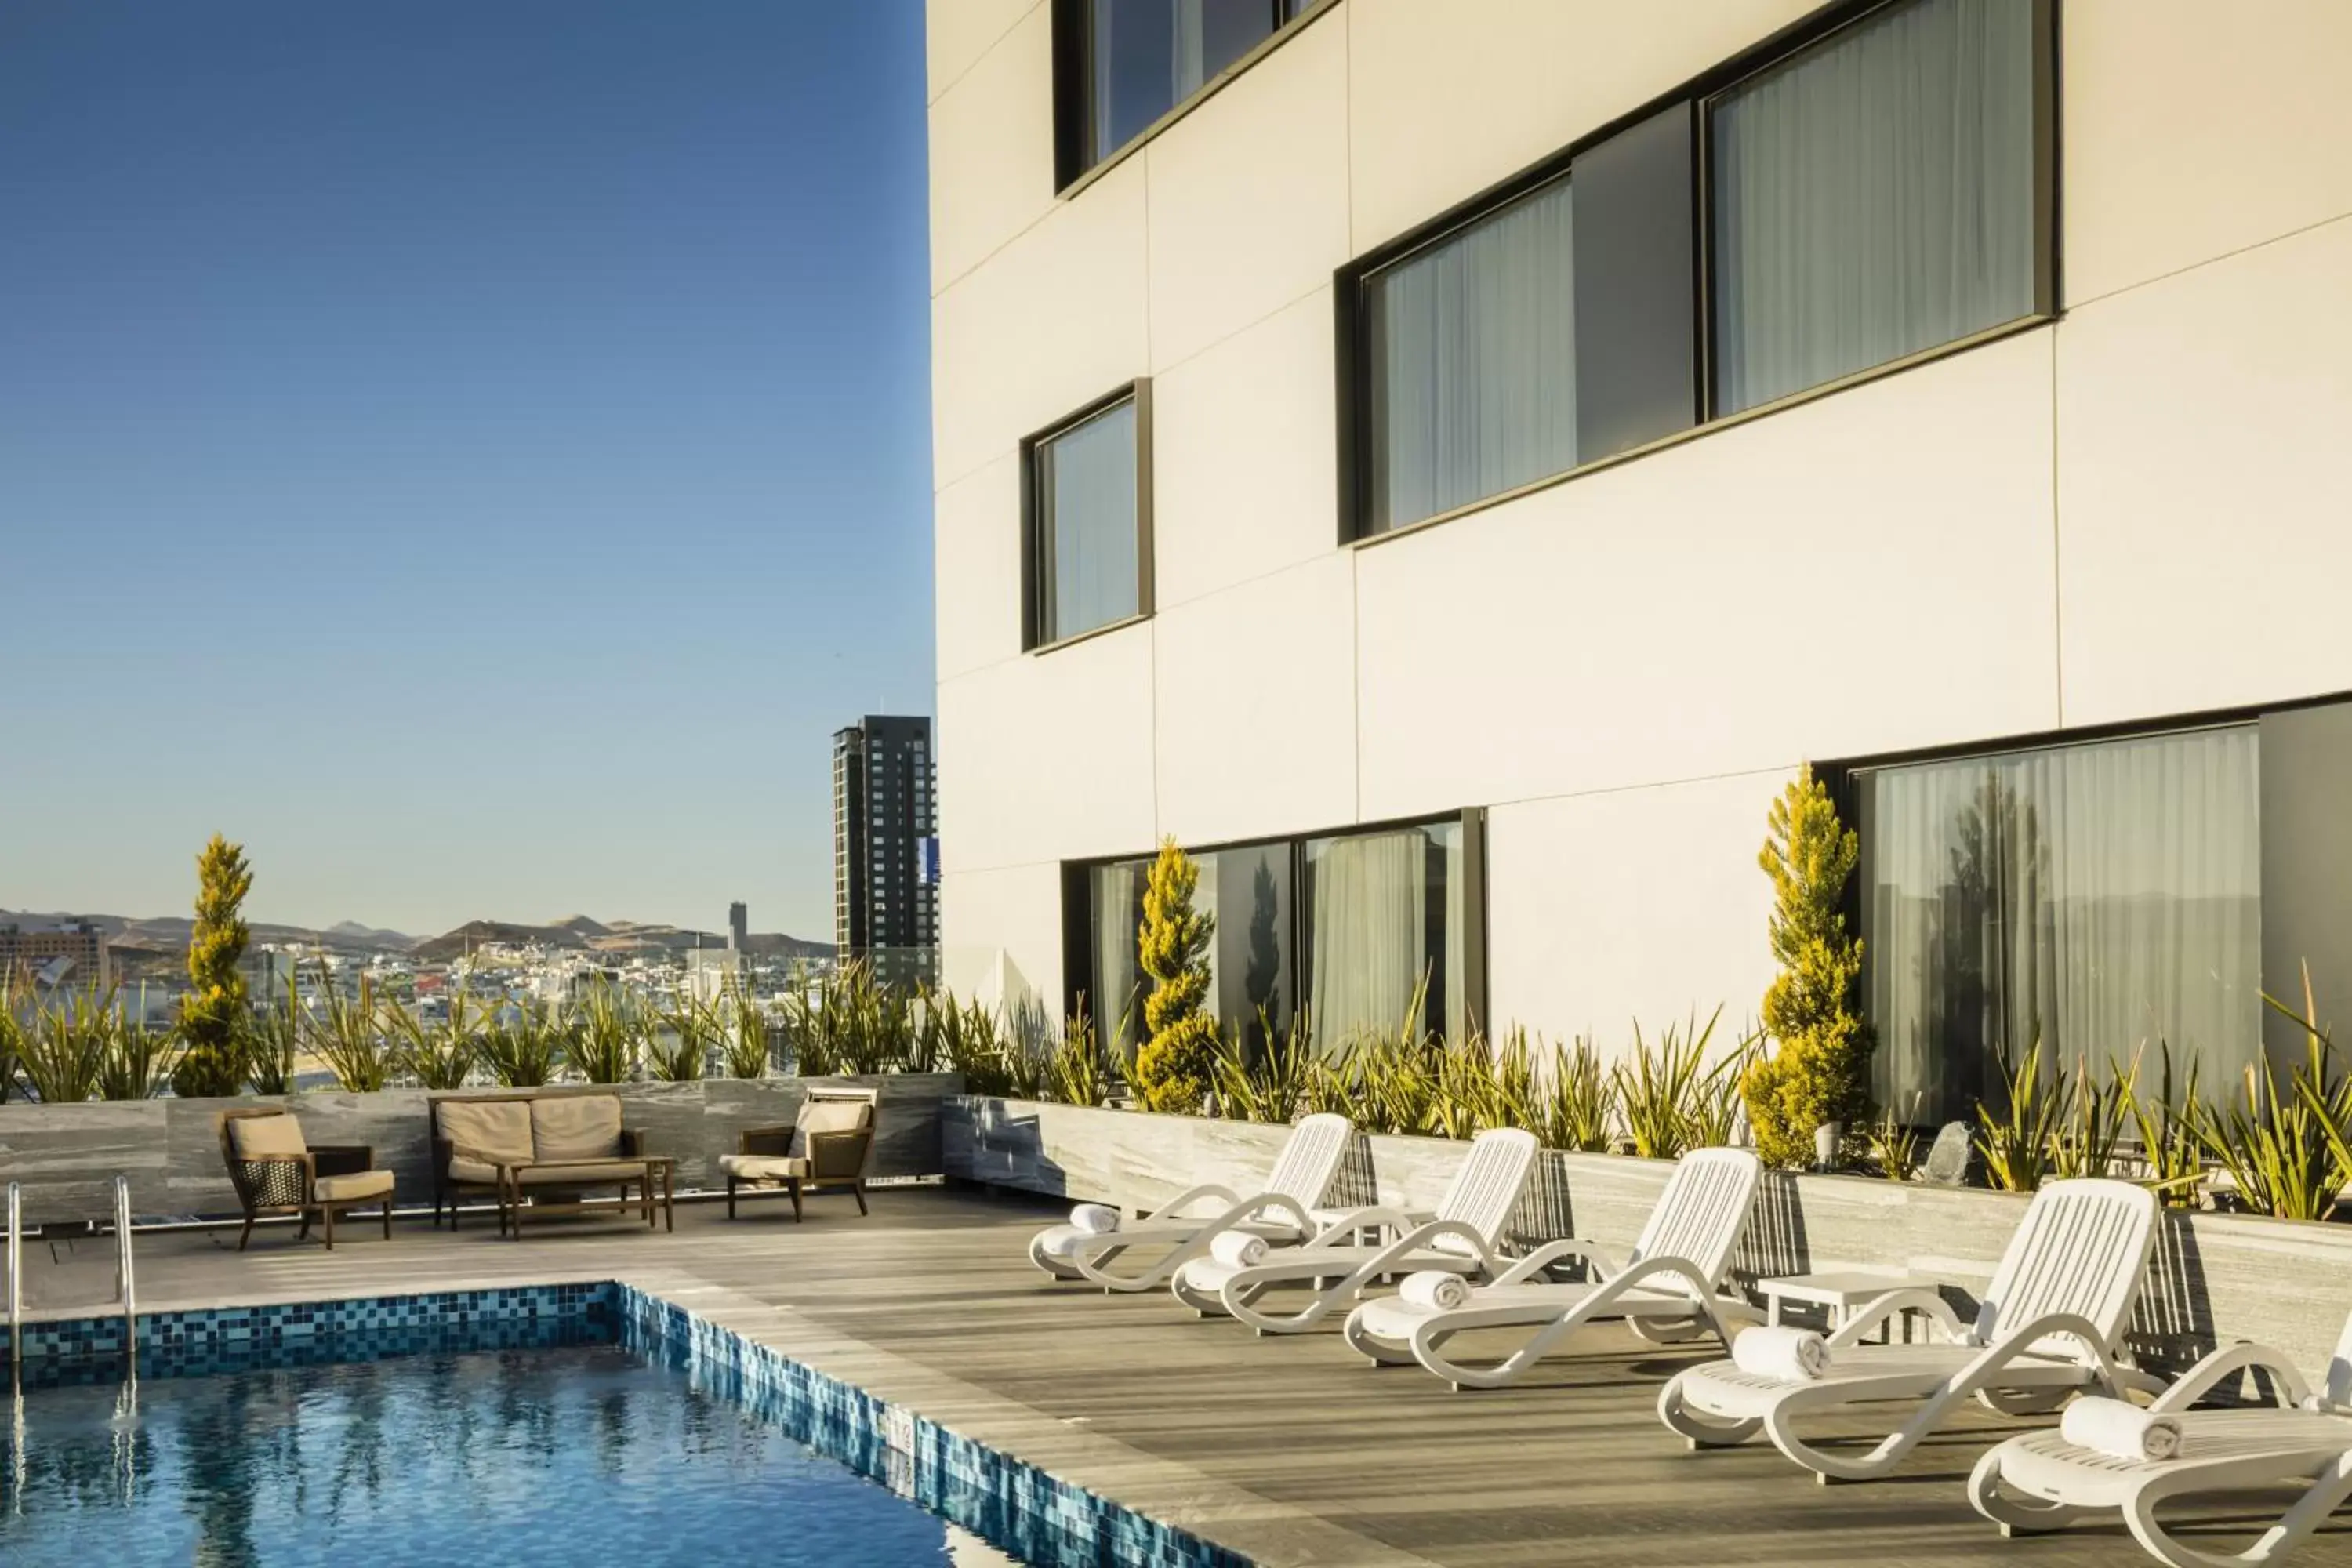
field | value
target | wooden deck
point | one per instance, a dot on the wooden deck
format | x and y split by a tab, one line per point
1290	1450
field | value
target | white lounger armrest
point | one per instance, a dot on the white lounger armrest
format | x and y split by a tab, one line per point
1224	1196
1929	1303
1985	1368
2228	1362
1346	1223
1604	1264
1421	1238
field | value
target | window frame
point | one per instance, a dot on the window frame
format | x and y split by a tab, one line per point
1077	912
1035	628
1073	88
1350	298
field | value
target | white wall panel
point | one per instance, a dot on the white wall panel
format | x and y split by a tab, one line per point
1634	904
1446	98
2194	130
957	33
1869	572
1048	757
1242	448
1249	195
992	150
1256	702
1055	320
2205	506
976	567
1001	934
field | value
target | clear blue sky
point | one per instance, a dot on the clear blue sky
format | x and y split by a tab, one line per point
474	452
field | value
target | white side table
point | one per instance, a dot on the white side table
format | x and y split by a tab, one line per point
1839	1294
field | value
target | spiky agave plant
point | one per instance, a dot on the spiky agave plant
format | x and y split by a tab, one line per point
63	1055
12	1035
273	1043
349	1034
605	1035
438	1055
1576	1100
137	1061
679	1037
2285	1147
1274	1084
747	1053
2171	1152
1079	1072
2015	1139
1657	1089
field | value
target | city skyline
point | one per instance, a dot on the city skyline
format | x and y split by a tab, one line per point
483	504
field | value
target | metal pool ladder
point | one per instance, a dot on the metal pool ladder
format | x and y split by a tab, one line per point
125	1274
15	1274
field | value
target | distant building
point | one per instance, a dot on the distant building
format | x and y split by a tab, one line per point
739	926
72	953
885	899
712	972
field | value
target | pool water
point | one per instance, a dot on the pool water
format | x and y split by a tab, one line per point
579	1454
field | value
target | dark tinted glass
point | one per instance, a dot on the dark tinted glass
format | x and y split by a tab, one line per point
1145	56
1636	375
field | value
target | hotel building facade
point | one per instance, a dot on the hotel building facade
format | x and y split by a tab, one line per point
1450	466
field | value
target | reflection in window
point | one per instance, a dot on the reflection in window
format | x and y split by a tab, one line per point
2092	896
1874	197
1384	911
1146	56
1115	988
1471	352
1251	984
1087	552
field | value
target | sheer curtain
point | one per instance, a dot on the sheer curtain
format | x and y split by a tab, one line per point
2094	897
1117	976
1086	488
1873	197
1383	910
1473	363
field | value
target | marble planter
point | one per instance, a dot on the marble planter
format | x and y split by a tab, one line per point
66	1156
2215	1277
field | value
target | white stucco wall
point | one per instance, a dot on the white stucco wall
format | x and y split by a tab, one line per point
2137	511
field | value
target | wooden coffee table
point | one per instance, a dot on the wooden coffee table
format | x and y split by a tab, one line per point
656	1168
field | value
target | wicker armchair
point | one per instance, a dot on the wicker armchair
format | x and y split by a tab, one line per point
828	1146
274	1171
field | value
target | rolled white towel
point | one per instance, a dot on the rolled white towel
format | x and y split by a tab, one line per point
2118	1426
1788	1355
1436	1289
1095	1219
1237	1248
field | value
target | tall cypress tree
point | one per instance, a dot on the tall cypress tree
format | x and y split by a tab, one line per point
1177	1065
1821	1070
214	1015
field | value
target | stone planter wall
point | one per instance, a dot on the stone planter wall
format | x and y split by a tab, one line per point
2215	1277
66	1156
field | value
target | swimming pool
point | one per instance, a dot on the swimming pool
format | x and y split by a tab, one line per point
557	1425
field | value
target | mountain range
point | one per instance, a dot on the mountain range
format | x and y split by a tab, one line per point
622	939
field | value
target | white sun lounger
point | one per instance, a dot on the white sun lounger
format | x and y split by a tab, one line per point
1287	1210
2040	1481
1668	1289
2051	1325
1464	1235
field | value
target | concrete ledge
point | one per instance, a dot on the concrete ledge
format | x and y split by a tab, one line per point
2216	1278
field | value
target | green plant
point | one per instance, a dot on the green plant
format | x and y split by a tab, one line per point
606	1035
1673	1099
2286	1148
1893	1146
678	1041
348	1034
1079	1072
2094	1109
213	1014
2170	1149
854	1024
137	1061
273	1044
1821	1071
524	1042
12	1036
1576	1100
2014	1141
438	1055
968	1038
1175	1069
63	1054
1275	1083
747	1036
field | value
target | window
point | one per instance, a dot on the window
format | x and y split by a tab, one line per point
1472	361
1120	66
1875	196
1349	924
2093	897
1086	555
1881	186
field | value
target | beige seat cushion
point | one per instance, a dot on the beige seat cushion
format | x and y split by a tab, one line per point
479	1170
267	1137
484	1132
763	1167
361	1187
831	1116
576	1127
586	1173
